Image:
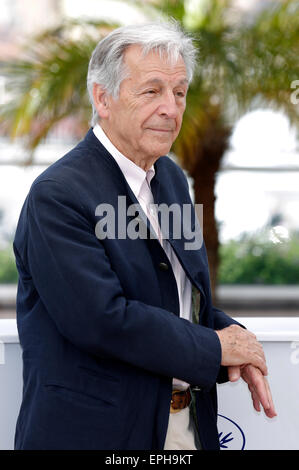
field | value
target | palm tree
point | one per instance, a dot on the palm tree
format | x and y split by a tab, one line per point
241	65
48	83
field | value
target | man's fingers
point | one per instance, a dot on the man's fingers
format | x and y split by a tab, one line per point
270	412
256	385
234	373
258	358
259	361
255	399
260	390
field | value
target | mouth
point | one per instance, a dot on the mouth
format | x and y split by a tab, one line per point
161	130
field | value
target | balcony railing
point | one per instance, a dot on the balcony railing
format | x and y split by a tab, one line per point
235	300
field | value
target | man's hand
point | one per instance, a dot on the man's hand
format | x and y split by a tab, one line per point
258	386
240	347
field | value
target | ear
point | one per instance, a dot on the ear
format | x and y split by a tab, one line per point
100	100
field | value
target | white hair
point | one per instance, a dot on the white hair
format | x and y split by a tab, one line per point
106	66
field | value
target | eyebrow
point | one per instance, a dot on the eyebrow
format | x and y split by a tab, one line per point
158	81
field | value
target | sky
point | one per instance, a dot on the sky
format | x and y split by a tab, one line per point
246	200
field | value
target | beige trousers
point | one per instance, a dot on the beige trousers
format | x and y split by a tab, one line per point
181	432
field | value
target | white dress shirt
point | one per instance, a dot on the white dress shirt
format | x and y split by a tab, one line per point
139	181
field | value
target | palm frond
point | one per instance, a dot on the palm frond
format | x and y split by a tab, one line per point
49	82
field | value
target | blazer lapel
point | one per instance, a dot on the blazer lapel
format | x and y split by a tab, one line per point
121	182
194	261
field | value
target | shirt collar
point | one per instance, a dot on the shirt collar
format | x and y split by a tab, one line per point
134	175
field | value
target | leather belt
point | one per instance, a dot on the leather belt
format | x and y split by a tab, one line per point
180	399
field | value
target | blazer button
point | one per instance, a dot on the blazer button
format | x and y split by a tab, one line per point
163	266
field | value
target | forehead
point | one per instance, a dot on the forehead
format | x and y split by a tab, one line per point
153	65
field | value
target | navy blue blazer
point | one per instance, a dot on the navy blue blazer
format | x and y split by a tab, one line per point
98	320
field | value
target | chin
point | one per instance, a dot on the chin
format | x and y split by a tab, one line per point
159	150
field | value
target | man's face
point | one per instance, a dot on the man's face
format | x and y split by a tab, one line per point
146	118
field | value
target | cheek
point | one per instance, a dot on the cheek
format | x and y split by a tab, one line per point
180	119
135	118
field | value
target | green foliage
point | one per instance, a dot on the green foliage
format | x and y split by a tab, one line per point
8	270
49	82
255	259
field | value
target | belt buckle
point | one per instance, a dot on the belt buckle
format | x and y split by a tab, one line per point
181	405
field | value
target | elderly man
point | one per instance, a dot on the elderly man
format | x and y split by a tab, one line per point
122	348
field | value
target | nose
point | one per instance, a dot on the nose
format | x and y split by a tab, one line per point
168	107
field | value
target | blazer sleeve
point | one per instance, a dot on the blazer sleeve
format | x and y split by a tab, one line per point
222	320
82	294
